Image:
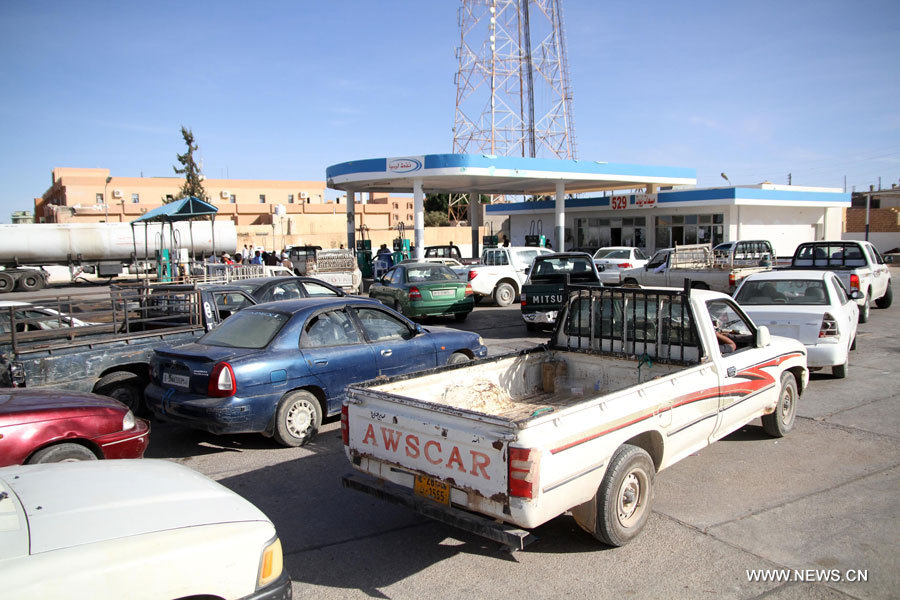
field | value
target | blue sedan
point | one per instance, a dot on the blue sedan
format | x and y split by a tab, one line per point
279	367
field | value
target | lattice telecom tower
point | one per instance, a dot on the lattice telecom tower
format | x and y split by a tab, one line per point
513	96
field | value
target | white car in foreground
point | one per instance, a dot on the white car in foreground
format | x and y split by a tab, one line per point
612	259
132	529
810	306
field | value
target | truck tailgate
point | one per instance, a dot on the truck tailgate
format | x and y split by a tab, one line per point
463	449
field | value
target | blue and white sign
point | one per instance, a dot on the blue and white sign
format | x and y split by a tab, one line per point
405	164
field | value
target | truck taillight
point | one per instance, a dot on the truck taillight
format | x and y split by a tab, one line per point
522	299
415	294
469	290
345	425
221	381
731	280
625	265
829	327
523	472
472	274
854	281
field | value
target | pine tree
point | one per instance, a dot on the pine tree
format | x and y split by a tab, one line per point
193	179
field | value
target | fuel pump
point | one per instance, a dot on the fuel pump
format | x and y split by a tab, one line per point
364	251
402	249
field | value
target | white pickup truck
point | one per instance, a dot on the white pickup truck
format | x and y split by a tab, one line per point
632	381
697	262
858	265
502	272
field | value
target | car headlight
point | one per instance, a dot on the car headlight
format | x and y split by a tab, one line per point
480	340
128	422
270	564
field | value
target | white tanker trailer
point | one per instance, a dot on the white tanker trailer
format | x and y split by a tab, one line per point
101	248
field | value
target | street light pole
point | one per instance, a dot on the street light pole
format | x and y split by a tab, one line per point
105	201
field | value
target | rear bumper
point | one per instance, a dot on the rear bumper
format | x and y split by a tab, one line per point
234	414
826	355
540	316
126	444
507	535
421	308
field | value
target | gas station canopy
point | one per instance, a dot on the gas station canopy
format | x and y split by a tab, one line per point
477	174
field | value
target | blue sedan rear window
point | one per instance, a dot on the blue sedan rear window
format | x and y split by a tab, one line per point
246	329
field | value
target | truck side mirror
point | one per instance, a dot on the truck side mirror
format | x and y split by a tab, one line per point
889	259
763	337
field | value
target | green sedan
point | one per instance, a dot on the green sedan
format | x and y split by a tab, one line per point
424	290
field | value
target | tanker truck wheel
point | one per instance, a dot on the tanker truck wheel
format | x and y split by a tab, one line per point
31	281
7	282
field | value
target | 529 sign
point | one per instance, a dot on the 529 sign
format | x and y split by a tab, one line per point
618	202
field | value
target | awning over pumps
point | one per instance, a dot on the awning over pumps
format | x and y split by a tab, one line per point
185	209
476	174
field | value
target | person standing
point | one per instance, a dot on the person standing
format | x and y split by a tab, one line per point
257	258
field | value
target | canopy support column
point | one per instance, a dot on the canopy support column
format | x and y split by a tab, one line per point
419	209
475	220
351	220
560	216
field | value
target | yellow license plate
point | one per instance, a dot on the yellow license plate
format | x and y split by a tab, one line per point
433	489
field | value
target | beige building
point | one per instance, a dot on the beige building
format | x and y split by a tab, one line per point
93	195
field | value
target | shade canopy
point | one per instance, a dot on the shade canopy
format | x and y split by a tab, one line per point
185	209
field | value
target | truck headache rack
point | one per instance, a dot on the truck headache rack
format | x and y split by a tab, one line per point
508	535
652	324
818	255
53	322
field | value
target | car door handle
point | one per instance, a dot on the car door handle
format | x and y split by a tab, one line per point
731	371
387	352
321	363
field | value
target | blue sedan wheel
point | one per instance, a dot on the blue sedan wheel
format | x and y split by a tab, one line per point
297	419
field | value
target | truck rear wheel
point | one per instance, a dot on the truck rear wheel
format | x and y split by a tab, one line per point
886	300
504	294
124	386
864	309
624	497
7	282
780	422
297	418
30	281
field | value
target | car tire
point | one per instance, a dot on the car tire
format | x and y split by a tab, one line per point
124	386
458	358
504	294
864	309
297	418
886	300
781	421
460	317
699	285
624	497
840	371
477	299
68	452
853	343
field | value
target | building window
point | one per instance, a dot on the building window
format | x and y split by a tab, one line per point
232	199
396	205
409	205
135	198
262	198
409	217
290	198
99	198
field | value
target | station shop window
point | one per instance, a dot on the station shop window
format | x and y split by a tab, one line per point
262	198
678	230
597	232
99	198
232	199
290	198
135	198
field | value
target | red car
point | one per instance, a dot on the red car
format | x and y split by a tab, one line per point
43	426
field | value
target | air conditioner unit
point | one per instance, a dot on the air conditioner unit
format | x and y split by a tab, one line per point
304	195
224	195
117	193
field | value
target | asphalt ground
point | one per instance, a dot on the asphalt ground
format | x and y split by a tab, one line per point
821	502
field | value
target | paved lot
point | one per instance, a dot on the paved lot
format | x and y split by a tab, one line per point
824	497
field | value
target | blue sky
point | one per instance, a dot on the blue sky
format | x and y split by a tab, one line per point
281	90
